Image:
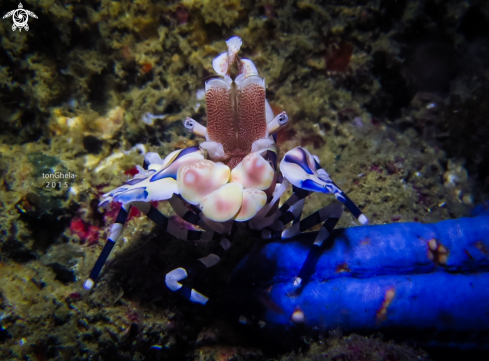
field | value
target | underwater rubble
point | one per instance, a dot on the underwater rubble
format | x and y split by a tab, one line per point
392	97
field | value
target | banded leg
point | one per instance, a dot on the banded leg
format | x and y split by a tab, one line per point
299	226
162	221
192	269
299	208
290	211
325	213
191	216
157	217
271	221
297	195
332	213
115	233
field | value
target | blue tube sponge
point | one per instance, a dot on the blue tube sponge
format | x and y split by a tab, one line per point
429	279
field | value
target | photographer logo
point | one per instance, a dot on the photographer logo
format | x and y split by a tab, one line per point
20	17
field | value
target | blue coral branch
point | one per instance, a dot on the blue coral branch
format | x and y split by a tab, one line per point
430	280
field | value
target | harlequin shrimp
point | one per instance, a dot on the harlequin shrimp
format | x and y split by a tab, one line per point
232	176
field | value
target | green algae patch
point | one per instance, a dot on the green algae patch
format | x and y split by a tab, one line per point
42	163
222	13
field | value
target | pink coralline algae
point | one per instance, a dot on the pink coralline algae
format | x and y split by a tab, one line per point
84	230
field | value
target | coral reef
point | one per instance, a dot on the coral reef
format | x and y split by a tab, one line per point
74	89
